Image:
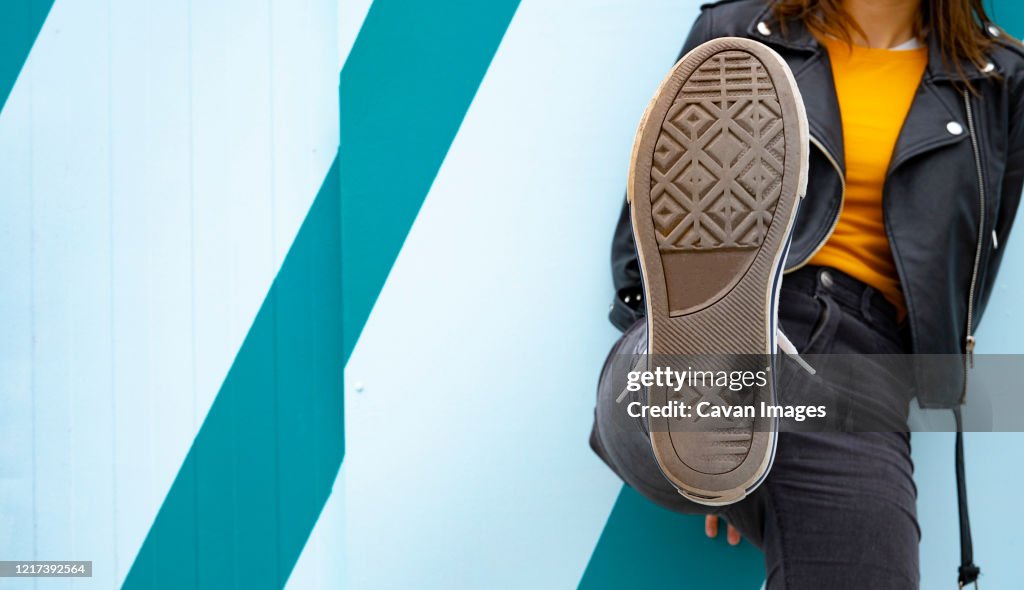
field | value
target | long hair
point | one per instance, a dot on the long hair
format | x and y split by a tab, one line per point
957	24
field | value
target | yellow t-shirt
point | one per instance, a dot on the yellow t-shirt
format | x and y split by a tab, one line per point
875	88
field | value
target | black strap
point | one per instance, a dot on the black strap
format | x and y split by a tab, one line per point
968	572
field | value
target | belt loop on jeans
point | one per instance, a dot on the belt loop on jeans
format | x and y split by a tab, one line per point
866	298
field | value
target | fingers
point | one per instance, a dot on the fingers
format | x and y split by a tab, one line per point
733	536
711	526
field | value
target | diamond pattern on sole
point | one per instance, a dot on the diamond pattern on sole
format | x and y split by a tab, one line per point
719	158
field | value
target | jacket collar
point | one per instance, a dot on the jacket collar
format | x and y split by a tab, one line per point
814	77
764	26
934	106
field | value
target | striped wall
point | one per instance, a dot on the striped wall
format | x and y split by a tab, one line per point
158	161
180	246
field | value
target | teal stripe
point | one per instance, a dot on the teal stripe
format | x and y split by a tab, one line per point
1009	14
263	463
405	89
261	468
20	23
644	546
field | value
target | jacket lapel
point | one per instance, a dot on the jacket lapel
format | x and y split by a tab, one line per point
934	112
813	76
937	109
823	116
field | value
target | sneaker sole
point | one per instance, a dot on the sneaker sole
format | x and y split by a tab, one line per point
718	168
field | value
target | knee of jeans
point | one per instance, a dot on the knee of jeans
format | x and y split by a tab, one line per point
667	497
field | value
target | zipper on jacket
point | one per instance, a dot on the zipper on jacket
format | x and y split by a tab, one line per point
971	341
842	201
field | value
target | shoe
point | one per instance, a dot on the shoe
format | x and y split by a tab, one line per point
718	169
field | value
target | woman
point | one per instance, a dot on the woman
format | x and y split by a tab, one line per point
910	139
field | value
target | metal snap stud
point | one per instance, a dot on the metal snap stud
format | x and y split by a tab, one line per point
826	279
954	128
988	67
762	27
993	30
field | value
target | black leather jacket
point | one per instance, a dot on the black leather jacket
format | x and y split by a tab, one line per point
949	199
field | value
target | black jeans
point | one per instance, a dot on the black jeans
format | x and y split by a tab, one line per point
838	509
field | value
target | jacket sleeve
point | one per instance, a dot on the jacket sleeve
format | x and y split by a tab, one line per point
1010	188
627	306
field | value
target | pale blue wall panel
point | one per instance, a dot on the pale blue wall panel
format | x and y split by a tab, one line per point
16	337
467	462
153	387
72	289
158	160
